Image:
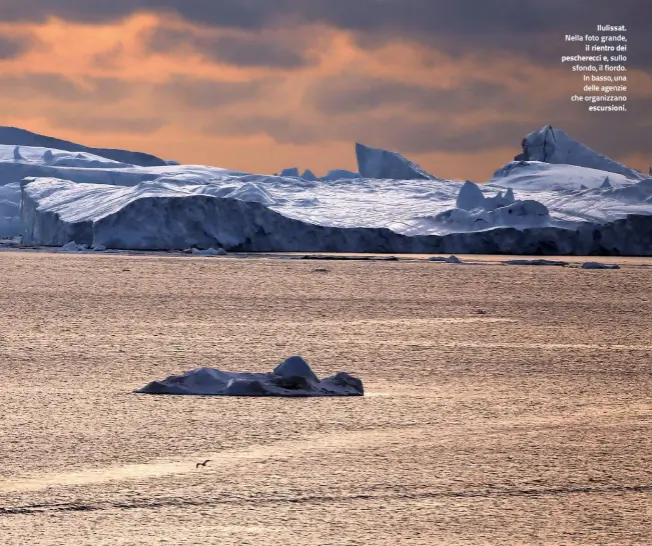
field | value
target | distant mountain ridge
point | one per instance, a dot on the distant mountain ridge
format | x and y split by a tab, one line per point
22	137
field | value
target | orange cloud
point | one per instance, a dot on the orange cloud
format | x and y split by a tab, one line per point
102	85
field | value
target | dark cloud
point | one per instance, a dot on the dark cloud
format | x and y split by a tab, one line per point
195	93
110	124
470	17
419	137
389	131
344	97
9	48
615	134
531	28
111	58
14	46
612	134
282	130
202	93
348	94
411	137
251	14
250	50
56	86
609	133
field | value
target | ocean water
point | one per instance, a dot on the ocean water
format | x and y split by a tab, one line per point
504	405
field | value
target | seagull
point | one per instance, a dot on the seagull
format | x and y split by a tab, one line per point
203	464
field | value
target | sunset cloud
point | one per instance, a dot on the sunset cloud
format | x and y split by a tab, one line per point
208	94
107	124
261	85
240	49
57	87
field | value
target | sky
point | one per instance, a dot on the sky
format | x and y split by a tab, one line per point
261	85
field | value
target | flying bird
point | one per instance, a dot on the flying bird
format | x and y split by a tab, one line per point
203	464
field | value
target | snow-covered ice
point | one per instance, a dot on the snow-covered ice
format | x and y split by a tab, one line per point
292	377
589	205
553	145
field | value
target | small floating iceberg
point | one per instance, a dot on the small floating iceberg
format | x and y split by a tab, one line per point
449	260
292	377
209	252
73	247
536	262
599	265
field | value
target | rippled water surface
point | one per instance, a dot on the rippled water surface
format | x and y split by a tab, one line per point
506	405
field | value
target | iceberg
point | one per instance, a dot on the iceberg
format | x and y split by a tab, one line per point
377	163
51	197
309	175
207	252
470	197
536	262
340	218
598	265
552	145
449	260
292	171
10	210
339	174
293	378
73	247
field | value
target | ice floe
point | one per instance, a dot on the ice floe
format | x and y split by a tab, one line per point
292	377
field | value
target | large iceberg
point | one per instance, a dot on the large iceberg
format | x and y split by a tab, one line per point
340	218
292	377
52	197
552	145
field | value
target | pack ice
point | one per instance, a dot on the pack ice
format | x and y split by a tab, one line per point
292	377
557	197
